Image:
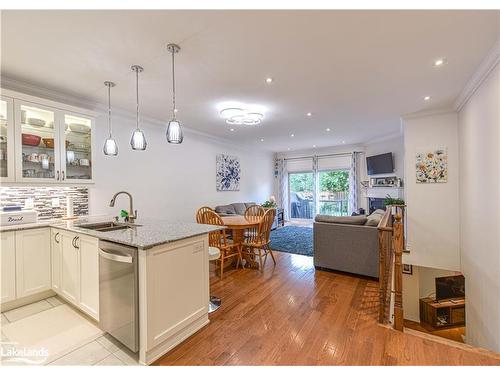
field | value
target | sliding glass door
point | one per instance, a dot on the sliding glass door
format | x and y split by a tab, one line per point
333	192
301	195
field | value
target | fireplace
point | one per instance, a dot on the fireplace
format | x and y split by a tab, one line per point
375	204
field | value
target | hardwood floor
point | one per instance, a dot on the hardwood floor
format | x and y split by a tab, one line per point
454	334
294	315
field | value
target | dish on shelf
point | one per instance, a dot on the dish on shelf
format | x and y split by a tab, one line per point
30	139
49	142
84	162
50	124
79	128
35	121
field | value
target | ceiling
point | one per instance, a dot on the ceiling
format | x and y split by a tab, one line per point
355	71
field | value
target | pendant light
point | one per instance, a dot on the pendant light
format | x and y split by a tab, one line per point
174	130
138	140
110	147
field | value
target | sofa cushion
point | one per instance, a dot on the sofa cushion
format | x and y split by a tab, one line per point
239	208
374	218
351	220
227	209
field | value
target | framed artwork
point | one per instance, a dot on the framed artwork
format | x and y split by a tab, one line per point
432	166
408	269
228	173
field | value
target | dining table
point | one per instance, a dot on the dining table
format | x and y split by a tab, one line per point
238	224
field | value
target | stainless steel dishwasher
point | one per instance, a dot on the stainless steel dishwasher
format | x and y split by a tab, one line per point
119	293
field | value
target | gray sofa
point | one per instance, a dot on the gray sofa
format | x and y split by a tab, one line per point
233	208
347	244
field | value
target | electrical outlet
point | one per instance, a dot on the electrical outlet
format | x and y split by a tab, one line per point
55	202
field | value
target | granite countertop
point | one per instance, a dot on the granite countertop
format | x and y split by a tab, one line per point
143	234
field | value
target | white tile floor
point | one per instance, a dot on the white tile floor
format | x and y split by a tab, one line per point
103	351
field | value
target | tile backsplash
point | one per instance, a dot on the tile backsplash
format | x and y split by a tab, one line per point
43	198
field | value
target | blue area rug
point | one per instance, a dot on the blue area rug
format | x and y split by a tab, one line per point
295	240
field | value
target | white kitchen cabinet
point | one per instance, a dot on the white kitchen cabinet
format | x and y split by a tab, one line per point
55	257
32	261
7	154
8	266
43	141
70	267
78	270
89	275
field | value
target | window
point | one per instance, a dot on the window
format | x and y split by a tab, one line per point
333	191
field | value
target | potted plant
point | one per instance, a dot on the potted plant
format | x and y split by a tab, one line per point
270	203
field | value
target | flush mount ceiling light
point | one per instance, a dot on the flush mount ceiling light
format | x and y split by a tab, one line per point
241	116
440	62
174	130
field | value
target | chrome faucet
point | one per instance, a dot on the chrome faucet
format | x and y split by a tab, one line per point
132	215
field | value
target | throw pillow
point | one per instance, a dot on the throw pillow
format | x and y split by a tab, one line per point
374	219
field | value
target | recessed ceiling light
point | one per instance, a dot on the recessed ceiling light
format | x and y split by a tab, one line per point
440	62
232	129
269	79
328	129
288	148
427	98
292	135
262	139
343	142
314	146
309	114
176	110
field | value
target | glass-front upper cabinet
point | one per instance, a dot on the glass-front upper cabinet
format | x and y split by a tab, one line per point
6	139
37	143
76	148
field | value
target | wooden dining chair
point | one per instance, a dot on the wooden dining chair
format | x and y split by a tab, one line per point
219	240
254	213
257	244
200	214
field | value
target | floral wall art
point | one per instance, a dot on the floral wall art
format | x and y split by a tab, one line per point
228	173
432	166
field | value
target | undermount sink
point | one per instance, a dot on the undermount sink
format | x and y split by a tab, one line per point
107	226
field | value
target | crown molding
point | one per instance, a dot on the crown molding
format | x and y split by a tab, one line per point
101	108
487	65
432	112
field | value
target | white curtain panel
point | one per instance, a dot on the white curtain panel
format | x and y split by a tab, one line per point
283	186
353	184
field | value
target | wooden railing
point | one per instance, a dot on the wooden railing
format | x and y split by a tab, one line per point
391	245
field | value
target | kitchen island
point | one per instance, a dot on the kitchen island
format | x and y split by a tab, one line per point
153	285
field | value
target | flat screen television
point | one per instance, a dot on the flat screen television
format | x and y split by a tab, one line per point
379	164
450	287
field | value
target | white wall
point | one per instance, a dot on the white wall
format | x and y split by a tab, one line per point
432	209
479	135
172	181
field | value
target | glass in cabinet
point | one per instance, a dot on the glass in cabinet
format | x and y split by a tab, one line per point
77	148
37	143
6	140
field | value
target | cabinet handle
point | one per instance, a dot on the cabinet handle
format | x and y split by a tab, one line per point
75	243
57	176
55	237
63	175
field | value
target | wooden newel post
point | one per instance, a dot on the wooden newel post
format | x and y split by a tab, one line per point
398	245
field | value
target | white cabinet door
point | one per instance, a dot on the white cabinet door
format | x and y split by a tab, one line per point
70	267
7	154
55	251
8	266
37	142
77	137
89	275
177	288
32	261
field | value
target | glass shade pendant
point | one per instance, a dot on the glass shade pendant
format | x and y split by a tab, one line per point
174	130
138	140
110	147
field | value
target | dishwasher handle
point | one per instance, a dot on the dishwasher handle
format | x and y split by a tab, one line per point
116	257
